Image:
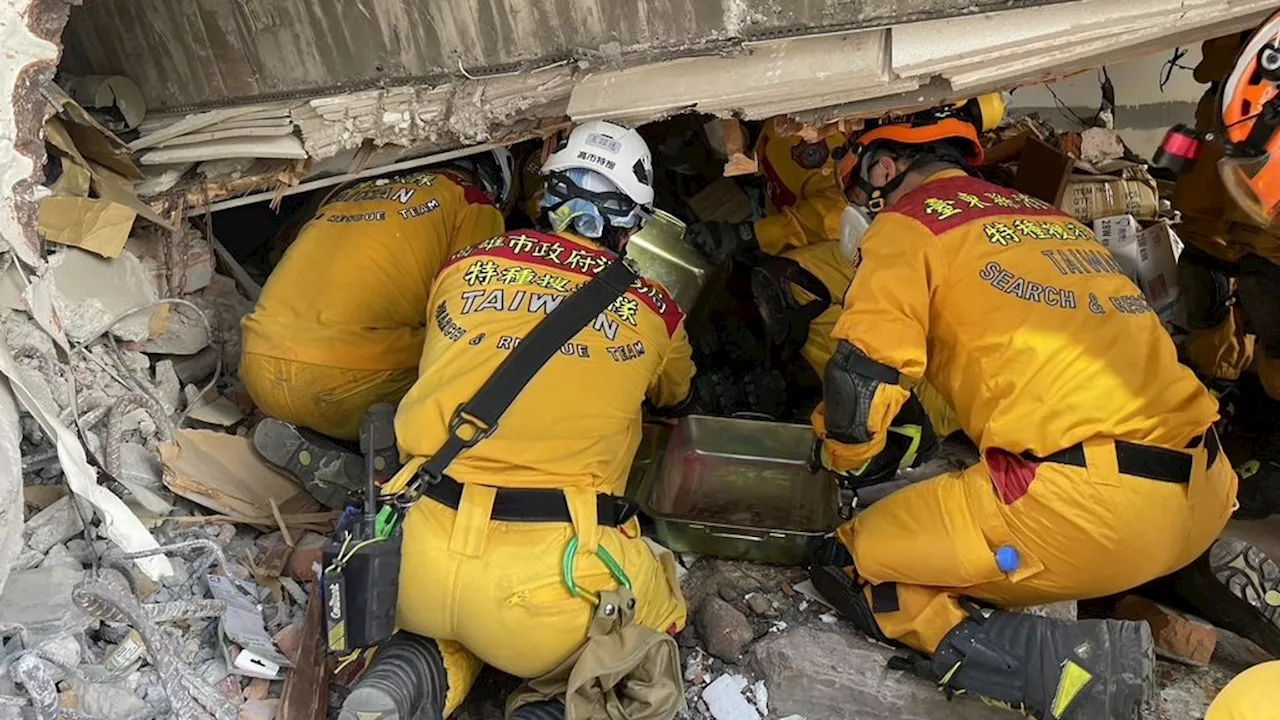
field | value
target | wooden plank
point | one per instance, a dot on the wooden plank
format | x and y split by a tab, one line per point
306	687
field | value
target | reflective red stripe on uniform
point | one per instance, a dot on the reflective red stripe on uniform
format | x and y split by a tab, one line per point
558	253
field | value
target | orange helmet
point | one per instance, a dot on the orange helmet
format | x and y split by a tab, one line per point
1250	108
962	121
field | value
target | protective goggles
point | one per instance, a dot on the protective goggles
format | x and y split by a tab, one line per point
614	204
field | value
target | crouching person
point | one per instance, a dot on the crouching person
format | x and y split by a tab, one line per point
1100	468
514	553
340	323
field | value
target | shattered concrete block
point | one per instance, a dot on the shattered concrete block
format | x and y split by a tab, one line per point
168	386
723	629
1178	637
55	524
109	700
40	599
60	556
821	673
89	292
27	559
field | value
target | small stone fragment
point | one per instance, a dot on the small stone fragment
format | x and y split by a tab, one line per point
110	700
761	694
257	689
761	605
55	524
259	709
289	640
59	556
724	630
306	556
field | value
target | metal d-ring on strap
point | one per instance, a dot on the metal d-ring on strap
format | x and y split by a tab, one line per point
566	570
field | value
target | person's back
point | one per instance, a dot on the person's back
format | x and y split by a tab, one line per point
508	542
1035	335
340	324
351	290
577	423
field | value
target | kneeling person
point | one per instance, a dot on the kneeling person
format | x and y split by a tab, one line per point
1100	468
340	323
481	579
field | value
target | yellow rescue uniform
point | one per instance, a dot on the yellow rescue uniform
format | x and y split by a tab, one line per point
489	591
341	320
803	203
1214	223
824	261
1252	695
1032	332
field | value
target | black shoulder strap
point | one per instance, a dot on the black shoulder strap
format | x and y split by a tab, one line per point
478	417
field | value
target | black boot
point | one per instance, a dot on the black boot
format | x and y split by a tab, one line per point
1050	669
846	595
406	681
1237	587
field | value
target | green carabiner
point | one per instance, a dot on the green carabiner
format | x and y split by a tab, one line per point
566	570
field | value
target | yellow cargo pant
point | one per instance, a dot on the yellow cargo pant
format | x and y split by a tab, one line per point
328	400
936	540
1252	695
491	592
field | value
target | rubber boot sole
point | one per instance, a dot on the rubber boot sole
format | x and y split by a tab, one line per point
370	704
1237	587
327	471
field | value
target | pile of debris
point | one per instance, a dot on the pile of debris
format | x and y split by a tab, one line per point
162	570
1094	177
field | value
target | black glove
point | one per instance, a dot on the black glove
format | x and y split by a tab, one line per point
718	241
909	443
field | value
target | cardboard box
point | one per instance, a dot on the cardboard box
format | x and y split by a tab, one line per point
1132	192
1149	257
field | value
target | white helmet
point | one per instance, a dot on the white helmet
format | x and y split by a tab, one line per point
616	152
494	171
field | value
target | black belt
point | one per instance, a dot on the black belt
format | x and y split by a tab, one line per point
1143	461
525	505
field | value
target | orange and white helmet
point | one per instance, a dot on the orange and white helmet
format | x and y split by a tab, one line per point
1250	110
961	122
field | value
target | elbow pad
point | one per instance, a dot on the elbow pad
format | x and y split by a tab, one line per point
849	385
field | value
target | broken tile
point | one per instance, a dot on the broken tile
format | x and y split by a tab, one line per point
1177	636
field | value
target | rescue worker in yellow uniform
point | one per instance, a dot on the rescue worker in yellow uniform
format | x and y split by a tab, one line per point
481	576
1229	282
1096	444
803	200
1229	254
340	323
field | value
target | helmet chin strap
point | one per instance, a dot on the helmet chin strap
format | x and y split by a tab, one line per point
878	197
